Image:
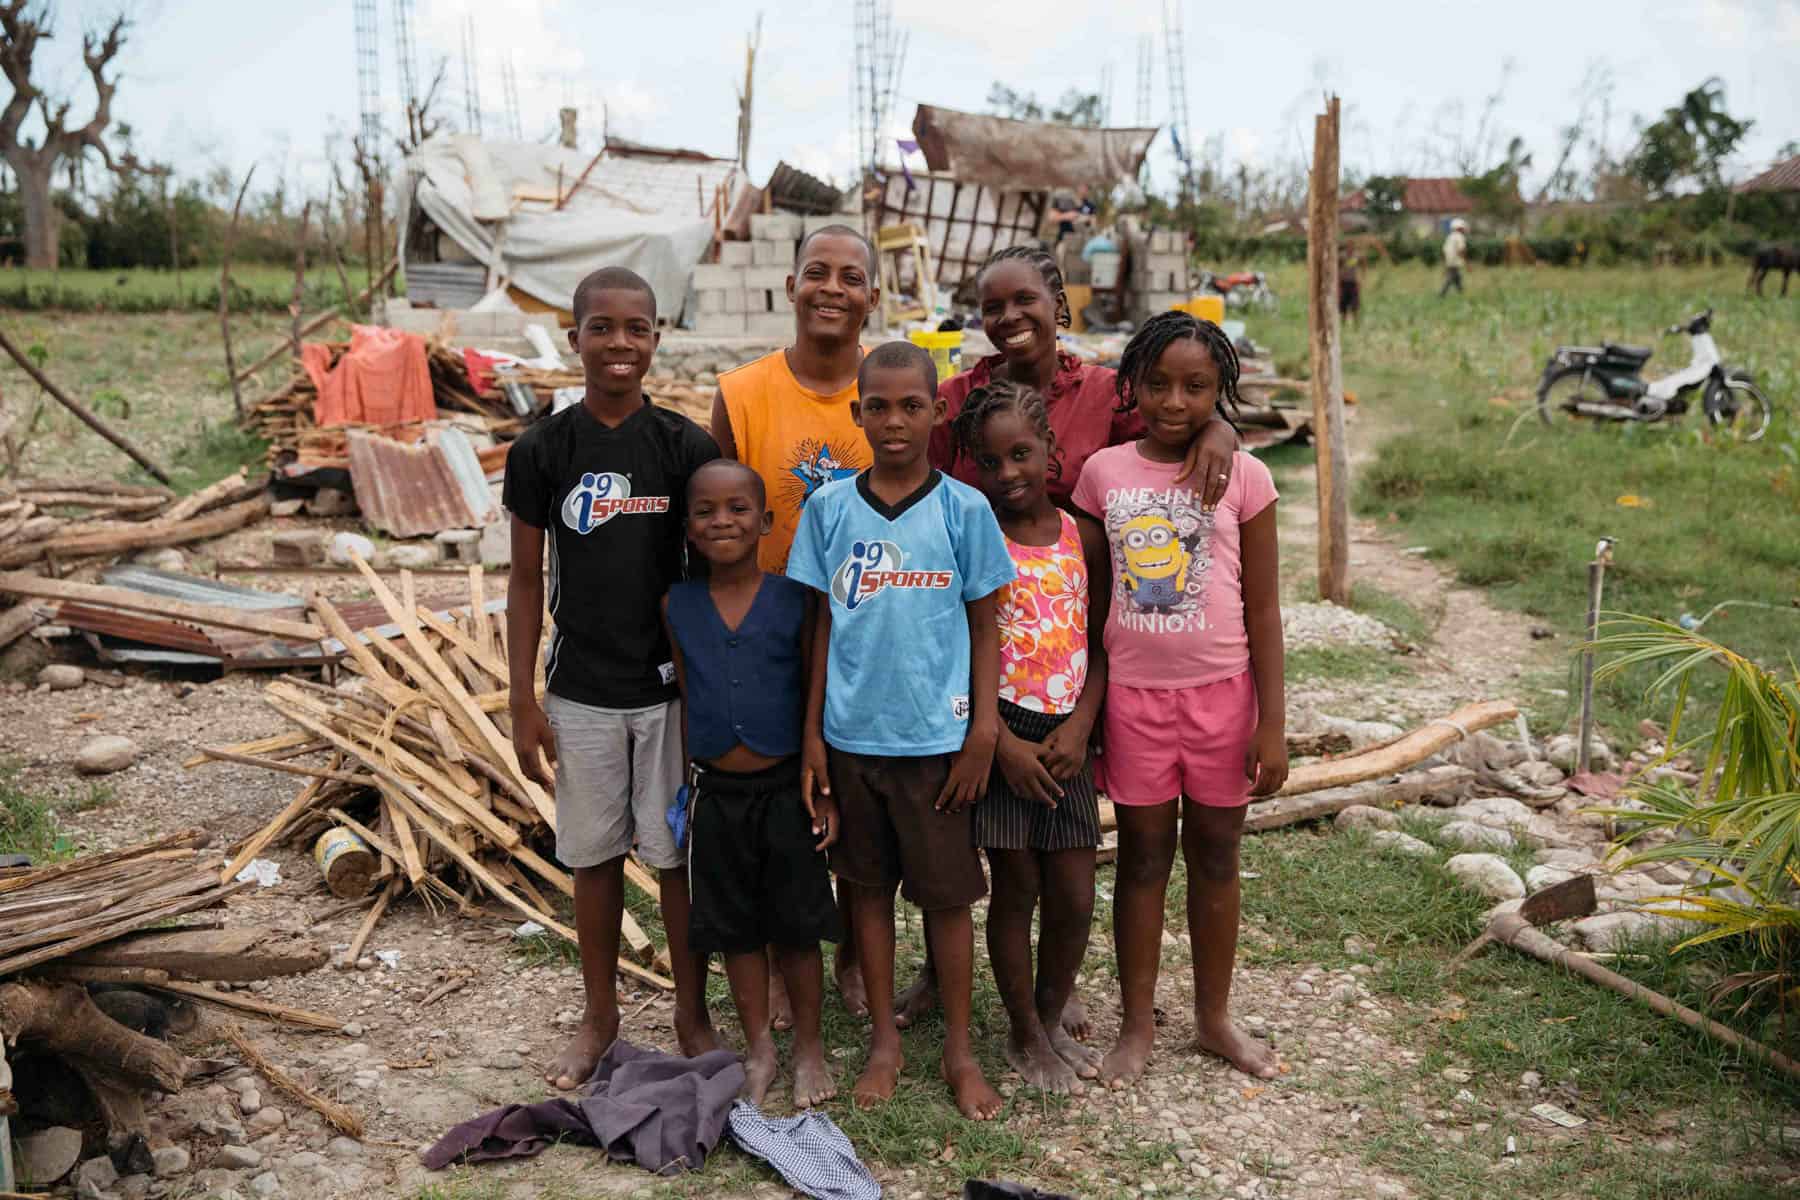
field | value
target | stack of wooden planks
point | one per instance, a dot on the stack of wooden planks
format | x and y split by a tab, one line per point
414	757
73	519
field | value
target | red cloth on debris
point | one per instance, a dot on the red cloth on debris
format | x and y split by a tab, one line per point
382	380
481	370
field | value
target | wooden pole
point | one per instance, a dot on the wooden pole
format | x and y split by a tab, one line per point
237	391
1332	455
294	308
93	422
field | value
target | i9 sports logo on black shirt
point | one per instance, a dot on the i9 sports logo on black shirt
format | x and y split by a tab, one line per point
603	495
871	568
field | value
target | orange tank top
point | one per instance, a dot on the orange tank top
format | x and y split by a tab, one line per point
796	439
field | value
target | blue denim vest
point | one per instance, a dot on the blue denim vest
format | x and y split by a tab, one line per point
745	685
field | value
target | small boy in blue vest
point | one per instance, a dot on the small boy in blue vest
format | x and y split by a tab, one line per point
742	643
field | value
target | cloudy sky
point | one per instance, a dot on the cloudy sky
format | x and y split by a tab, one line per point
211	82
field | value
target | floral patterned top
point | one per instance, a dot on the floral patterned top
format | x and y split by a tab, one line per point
1043	624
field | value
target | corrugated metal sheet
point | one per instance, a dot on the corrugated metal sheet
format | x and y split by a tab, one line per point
446	285
196	589
1784	176
409	491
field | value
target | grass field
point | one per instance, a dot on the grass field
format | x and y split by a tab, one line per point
255	287
1462	465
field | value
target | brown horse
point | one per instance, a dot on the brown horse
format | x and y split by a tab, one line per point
1785	259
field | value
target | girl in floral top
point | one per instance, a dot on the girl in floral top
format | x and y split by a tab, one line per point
1040	820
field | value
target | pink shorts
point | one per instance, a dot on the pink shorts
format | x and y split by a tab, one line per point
1162	743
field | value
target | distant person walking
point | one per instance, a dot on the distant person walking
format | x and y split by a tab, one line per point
1349	287
1456	257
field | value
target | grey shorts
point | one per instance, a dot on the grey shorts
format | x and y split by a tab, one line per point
617	772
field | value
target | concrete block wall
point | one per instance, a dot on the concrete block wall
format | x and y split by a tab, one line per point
744	294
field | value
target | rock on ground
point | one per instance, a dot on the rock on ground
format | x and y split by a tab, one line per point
105	754
1473	836
47	1155
1488	874
1561	751
1400	843
95	1177
169	1160
1544	875
1362	816
61	677
1325	624
237	1158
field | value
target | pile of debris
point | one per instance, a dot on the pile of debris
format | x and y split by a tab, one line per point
420	789
95	978
66	521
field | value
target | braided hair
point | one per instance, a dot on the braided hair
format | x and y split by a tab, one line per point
1034	256
1146	348
1004	395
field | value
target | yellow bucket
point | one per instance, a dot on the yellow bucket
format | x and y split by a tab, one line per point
1207	308
945	349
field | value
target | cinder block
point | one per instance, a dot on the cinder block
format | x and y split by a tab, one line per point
459	545
297	548
774	227
735	254
713	301
770	254
718	275
1167	262
1163	301
1165	241
773	278
739	301
811	225
779	302
772	325
720	323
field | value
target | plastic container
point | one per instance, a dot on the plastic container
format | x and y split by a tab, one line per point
347	863
1207	308
945	349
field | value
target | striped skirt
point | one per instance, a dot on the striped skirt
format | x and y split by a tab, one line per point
1005	820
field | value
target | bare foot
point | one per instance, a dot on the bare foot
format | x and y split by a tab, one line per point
1247	1054
850	986
1127	1060
759	1070
1040	1066
781	1011
578	1058
920	999
813	1083
976	1098
880	1075
1074	1019
695	1035
1083	1060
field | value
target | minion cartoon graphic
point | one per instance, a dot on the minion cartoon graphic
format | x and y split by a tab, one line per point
1156	562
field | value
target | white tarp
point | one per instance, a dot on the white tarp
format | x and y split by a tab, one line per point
496	200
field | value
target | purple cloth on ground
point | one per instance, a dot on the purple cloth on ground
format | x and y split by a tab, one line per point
661	1111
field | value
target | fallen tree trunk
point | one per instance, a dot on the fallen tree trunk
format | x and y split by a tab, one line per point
1408	789
62	1020
1403	752
1515	931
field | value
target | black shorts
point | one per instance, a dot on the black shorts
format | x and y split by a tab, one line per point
753	873
892	831
1005	820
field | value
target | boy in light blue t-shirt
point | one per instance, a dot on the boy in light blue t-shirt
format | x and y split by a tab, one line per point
901	724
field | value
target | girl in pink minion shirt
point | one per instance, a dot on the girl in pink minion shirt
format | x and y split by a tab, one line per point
1194	722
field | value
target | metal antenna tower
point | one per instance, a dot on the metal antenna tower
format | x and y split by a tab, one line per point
368	74
509	81
1146	65
1178	106
406	57
471	64
880	60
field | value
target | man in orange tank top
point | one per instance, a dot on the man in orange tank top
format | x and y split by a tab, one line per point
786	416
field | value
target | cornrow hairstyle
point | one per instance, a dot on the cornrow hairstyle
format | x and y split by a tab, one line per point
1003	395
1045	262
1148	343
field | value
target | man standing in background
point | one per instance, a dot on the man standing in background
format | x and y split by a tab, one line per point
1456	257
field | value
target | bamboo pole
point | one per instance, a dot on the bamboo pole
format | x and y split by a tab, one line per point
1332	456
89	419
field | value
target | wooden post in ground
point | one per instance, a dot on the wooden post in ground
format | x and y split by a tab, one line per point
237	390
88	418
294	309
1332	454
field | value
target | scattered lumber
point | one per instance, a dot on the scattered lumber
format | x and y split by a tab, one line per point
236	954
128	600
414	758
1409	788
111	522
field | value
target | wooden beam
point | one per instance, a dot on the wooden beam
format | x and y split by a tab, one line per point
1331	454
80	410
19	583
1413	747
237	954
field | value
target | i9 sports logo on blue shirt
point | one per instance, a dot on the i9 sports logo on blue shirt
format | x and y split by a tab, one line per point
873	567
603	495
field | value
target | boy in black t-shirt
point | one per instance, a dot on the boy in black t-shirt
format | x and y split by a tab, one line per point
607	480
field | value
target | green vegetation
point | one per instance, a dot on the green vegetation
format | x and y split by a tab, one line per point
254	288
1463	466
28	821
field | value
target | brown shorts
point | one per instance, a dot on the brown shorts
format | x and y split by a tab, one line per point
890	831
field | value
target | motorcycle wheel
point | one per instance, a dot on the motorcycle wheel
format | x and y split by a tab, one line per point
1560	394
1738	410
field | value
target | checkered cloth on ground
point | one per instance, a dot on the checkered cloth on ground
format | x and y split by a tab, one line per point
808	1150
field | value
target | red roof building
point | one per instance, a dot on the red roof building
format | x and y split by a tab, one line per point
1784	176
